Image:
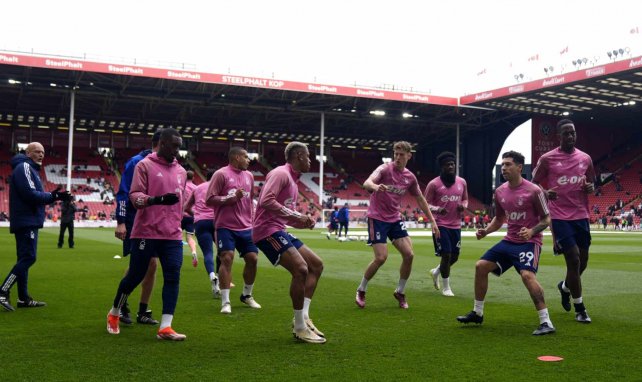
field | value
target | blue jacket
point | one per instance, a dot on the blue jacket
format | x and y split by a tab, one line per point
344	215
125	211
334	217
27	198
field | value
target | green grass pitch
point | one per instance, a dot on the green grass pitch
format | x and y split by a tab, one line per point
67	339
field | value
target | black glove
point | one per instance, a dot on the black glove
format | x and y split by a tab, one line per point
167	199
60	195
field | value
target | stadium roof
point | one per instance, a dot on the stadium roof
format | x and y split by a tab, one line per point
35	91
117	98
594	90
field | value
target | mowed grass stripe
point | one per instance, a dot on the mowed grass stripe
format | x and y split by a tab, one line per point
67	340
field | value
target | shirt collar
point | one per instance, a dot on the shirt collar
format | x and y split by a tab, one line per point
295	174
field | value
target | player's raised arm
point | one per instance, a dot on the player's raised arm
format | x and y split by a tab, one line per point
268	200
371	184
214	197
539	203
540	175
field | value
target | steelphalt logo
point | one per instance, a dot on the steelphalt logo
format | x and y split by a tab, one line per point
322	88
9	59
183	75
415	97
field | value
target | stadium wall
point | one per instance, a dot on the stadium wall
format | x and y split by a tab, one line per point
481	151
597	137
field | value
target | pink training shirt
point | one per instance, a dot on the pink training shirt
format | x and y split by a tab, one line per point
385	206
522	206
438	195
566	173
201	210
153	176
189	188
277	202
231	213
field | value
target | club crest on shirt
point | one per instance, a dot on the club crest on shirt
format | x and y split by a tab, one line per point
520	201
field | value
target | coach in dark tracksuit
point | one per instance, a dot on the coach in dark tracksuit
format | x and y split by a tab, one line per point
27	201
67	217
344	219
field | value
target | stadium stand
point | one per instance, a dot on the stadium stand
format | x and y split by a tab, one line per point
622	188
214	115
94	185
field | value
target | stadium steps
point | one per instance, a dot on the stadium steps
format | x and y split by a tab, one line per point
264	162
196	168
112	165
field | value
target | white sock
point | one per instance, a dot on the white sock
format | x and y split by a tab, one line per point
565	288
577	300
212	276
401	286
247	289
299	321
364	285
446	283
225	296
543	317
306	307
479	307
114	311
436	271
166	321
